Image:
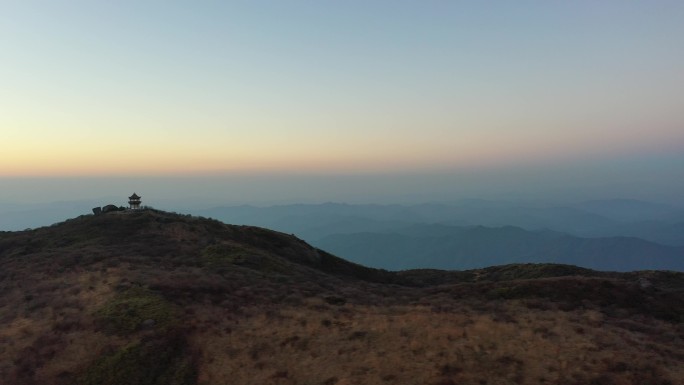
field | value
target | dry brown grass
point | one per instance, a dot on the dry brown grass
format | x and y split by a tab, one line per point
257	307
50	334
357	344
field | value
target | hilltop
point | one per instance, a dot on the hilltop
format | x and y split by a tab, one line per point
150	297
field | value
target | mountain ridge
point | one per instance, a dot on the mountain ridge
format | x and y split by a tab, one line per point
151	298
466	247
312	222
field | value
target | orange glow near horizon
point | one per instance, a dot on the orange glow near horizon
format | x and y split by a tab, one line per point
194	90
373	154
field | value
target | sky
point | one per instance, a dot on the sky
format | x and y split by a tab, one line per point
341	100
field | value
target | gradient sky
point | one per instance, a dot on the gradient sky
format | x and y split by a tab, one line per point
169	88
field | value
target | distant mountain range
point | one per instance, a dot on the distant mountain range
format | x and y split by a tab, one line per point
616	234
612	234
452	247
608	218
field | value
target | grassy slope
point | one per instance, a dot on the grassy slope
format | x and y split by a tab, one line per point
159	298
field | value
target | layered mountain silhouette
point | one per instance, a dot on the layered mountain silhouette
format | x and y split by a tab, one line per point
653	222
452	247
150	297
619	235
